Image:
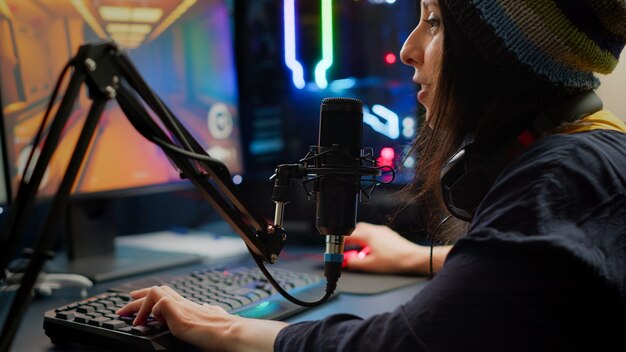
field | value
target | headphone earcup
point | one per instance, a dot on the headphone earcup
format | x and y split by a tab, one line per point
455	183
466	178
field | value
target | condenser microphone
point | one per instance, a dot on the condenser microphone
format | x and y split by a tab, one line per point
338	165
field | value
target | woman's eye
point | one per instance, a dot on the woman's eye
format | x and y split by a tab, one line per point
434	23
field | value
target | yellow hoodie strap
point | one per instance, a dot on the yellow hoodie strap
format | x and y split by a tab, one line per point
601	120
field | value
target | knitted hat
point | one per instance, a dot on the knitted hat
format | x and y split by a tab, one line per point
546	47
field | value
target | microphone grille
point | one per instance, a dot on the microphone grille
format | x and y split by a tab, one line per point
341	104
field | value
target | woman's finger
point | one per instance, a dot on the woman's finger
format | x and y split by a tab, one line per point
159	312
130	307
154	295
140	293
172	293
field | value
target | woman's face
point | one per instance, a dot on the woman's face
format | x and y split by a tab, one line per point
422	50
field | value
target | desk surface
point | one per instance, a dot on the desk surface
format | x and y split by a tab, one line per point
31	336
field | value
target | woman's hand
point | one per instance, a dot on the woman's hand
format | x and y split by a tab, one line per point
392	253
204	326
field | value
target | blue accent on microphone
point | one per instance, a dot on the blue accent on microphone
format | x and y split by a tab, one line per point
333	258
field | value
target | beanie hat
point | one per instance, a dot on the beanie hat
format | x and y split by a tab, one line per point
546	47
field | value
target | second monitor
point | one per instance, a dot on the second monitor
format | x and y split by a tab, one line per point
184	50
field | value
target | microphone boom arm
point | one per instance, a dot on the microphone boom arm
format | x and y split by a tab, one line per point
109	74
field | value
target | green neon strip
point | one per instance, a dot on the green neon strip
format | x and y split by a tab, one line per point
327	45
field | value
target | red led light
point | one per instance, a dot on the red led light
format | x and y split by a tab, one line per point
386	157
390	58
388	153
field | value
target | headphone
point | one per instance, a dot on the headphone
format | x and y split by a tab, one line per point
467	175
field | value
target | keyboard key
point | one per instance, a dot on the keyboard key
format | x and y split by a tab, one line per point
86	309
156	326
114	324
81	318
127	318
141	330
98	321
98	306
66	315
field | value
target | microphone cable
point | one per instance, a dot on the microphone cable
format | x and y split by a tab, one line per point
330	286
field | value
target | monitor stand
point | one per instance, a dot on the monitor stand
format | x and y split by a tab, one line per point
91	227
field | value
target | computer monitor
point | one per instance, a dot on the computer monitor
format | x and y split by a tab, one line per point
293	53
4	177
184	51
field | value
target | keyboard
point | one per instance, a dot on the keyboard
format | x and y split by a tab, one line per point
242	291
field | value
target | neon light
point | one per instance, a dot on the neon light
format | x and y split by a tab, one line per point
409	162
327	45
390	126
262	146
263	305
262	309
408	127
342	84
388	153
374	122
386	157
390	58
393	122
289	26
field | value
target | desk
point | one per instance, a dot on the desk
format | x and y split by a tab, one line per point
31	336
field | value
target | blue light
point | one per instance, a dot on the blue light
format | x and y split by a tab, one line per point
390	124
291	61
261	310
342	84
266	146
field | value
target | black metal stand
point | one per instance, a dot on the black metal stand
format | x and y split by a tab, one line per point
109	74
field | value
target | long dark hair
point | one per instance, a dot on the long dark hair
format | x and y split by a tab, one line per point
473	102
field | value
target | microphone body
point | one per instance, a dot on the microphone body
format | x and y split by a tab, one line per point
339	162
338	185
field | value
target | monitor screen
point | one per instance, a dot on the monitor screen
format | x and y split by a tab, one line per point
183	50
4	191
294	53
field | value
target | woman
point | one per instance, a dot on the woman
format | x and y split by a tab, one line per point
543	263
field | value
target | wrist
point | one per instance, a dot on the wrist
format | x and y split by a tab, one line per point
414	260
249	334
427	260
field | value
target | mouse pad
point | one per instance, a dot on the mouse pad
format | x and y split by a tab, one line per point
367	284
350	281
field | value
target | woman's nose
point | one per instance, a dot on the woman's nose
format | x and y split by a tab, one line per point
410	54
